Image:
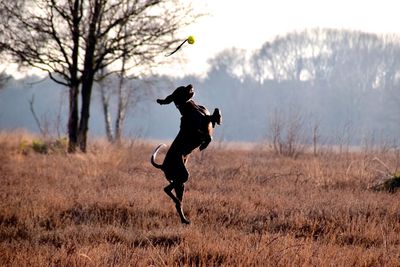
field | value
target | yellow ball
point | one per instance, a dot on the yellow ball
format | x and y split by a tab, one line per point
190	39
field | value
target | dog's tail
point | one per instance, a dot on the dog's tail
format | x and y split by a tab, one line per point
153	157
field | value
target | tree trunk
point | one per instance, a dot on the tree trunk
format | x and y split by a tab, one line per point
315	137
85	111
105	100
73	119
119	122
88	76
122	98
122	105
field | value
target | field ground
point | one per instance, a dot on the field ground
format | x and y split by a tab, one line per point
247	207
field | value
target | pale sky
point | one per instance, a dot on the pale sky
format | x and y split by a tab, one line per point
248	24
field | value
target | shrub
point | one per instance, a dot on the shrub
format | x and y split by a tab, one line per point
24	147
39	146
391	185
60	144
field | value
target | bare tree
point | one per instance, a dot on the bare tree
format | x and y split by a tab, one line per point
121	95
73	39
105	93
287	133
282	59
46	121
276	131
43	125
315	136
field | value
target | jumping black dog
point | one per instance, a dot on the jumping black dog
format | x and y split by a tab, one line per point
195	132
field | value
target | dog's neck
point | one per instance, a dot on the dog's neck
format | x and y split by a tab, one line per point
183	108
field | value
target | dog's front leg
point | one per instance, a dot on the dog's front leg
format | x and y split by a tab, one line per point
205	144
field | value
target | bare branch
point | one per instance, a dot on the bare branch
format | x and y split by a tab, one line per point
36	118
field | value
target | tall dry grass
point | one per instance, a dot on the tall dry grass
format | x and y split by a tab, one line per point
247	207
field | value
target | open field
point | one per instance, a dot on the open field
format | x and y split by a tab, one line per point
107	208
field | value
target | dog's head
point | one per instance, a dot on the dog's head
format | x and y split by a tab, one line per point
180	96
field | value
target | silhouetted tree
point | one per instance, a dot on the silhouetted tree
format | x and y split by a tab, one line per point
73	39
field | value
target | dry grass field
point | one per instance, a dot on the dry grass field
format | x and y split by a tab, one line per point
247	207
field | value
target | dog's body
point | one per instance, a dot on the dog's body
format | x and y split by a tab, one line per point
195	132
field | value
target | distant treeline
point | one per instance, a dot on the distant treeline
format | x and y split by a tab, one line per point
340	86
346	82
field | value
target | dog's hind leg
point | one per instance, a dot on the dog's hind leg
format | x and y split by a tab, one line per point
168	190
179	188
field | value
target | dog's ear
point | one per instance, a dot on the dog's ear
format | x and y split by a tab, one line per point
165	101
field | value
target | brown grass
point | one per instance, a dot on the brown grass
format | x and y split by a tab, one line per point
107	207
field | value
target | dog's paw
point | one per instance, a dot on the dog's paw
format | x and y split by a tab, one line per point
185	221
202	147
206	140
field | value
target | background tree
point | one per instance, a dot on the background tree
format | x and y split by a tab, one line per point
72	40
3	79
120	95
350	73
